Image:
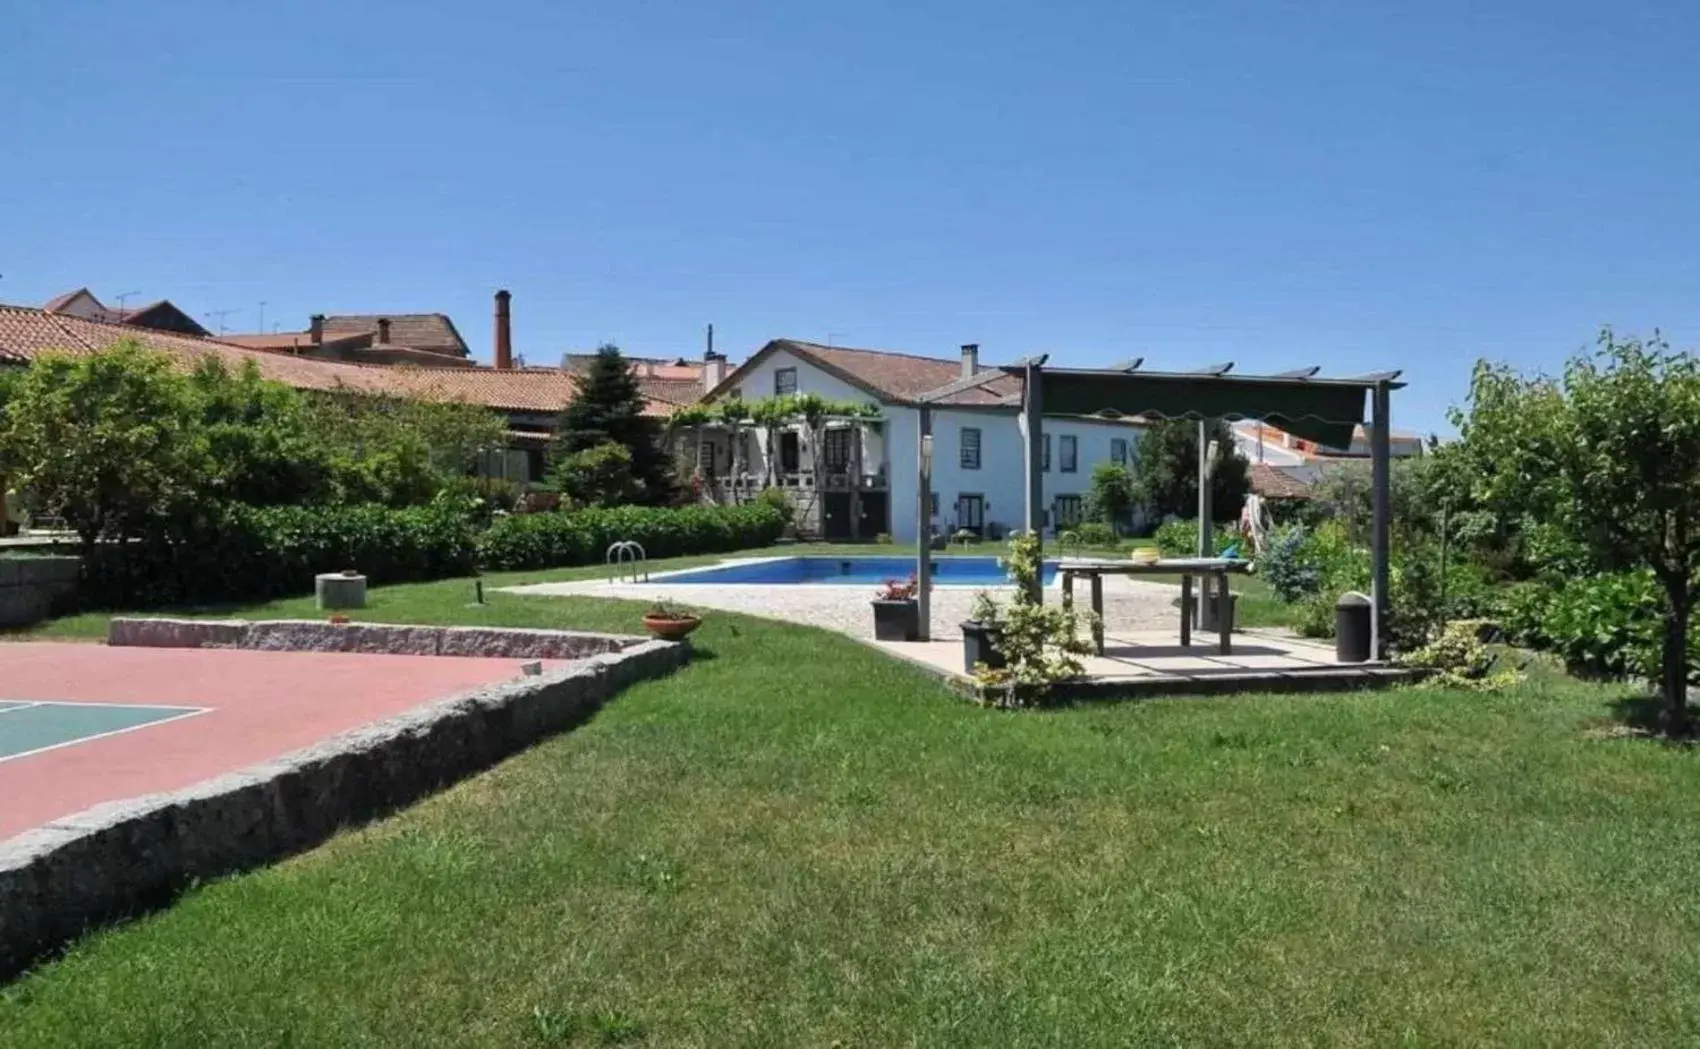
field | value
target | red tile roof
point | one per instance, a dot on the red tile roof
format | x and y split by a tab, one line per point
292	341
420	331
26	332
1271	483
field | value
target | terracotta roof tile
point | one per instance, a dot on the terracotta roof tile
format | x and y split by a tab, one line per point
1271	483
26	332
421	331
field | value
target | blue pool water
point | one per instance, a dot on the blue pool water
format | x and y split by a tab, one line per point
947	571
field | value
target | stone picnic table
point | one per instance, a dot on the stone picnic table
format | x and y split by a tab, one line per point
1205	569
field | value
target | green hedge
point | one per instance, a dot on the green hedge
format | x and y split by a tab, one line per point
553	540
231	552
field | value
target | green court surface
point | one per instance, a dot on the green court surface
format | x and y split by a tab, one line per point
28	727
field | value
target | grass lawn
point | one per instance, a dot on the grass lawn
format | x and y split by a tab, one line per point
798	842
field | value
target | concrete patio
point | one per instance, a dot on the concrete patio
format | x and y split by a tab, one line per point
1153	663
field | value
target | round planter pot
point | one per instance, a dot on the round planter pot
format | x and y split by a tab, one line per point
671	629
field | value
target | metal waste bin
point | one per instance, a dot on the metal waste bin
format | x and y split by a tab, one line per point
1351	628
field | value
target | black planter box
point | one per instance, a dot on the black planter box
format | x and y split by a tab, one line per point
981	644
896	621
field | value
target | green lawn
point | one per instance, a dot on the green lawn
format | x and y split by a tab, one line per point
798	842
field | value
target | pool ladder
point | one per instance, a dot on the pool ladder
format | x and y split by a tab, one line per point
626	558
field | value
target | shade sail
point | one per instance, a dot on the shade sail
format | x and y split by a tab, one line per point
1322	410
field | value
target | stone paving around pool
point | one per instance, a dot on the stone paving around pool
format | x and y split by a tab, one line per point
1129	604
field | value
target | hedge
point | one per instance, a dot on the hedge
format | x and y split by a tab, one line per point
232	552
581	537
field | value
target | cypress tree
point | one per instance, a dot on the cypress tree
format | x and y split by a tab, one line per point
607	408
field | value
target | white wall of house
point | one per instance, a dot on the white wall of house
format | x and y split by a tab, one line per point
999	480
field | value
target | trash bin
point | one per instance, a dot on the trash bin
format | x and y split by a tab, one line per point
1210	621
1351	628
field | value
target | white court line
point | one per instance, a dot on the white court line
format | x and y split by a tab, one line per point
18	706
183	712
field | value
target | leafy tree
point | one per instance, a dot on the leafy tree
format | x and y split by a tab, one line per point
1112	496
608	407
599	476
111	441
262	446
400	452
1612	453
1346	492
1165	471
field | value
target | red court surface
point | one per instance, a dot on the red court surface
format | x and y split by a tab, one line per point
256	706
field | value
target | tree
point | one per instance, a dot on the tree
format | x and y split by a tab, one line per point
400	452
261	443
111	441
1612	453
1113	496
599	476
608	407
1165	471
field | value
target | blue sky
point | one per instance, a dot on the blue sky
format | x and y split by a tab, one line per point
1277	184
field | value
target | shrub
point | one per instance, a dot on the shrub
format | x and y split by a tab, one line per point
1290	566
776	499
1610	625
1094	533
232	552
1460	660
554	540
597	476
1179	538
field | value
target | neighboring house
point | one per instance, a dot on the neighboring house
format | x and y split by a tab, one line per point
1304	461
157	316
428	340
530	398
870	478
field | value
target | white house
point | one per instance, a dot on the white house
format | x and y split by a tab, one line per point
1265	444
868	480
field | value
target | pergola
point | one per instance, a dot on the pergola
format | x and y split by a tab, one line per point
1301	402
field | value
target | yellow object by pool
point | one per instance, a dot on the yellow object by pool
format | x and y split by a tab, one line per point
1144	555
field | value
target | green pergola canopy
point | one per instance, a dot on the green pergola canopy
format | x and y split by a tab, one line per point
1322	410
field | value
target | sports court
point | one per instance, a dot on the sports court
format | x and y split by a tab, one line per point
84	724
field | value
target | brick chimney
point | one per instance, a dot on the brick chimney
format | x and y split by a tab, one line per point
504	344
383	331
970	359
316	329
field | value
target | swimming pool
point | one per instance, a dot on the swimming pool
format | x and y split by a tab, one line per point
791	571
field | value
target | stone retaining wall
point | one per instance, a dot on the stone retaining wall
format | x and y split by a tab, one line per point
34	588
315	635
119	859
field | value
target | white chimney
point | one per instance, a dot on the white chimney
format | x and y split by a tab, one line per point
713	371
970	359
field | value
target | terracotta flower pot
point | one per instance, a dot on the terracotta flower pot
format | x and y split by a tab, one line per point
671	628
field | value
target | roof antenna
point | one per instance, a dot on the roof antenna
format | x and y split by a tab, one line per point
121	300
217	316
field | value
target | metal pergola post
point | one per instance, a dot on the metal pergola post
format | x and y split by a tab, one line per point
1206	515
1032	417
924	524
1380	448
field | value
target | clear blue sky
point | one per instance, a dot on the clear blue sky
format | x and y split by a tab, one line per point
1270	183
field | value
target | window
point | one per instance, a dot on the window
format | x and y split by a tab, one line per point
1068	510
970	448
1070	454
1047	464
784	381
836	450
790	452
1118	450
